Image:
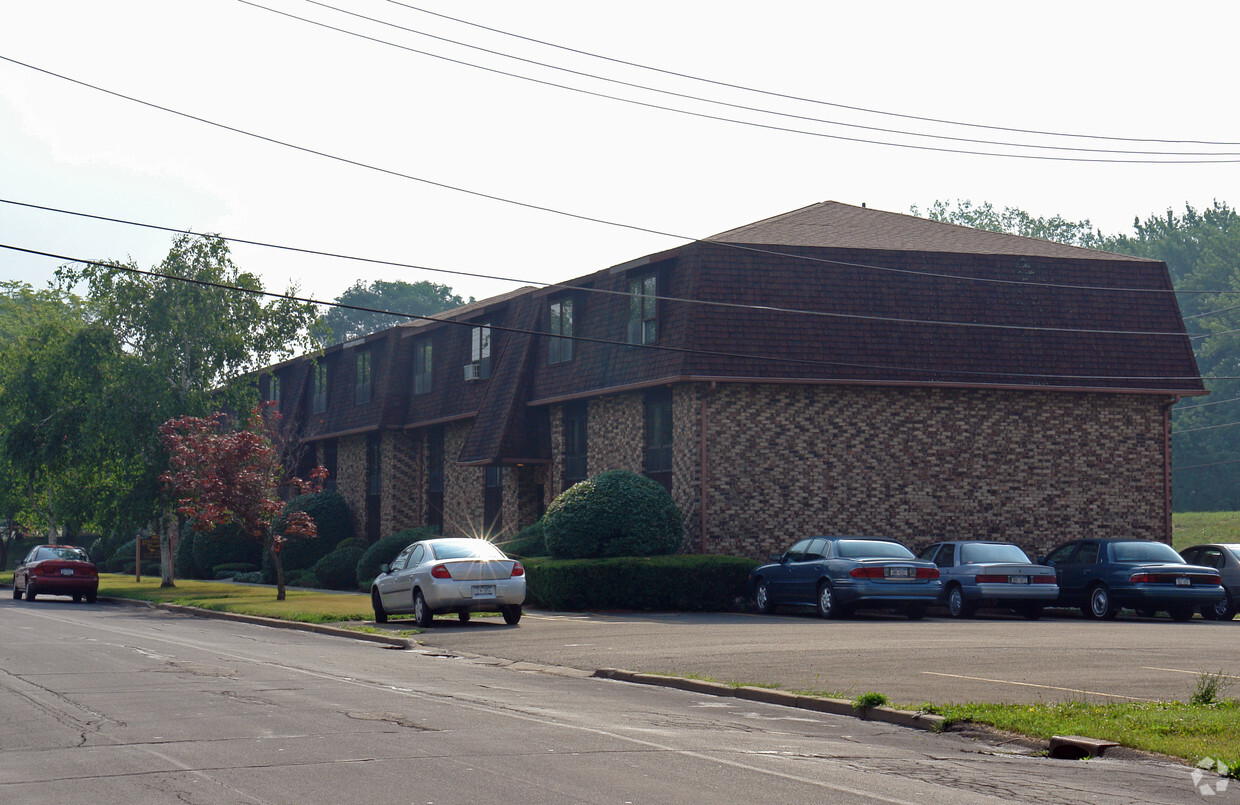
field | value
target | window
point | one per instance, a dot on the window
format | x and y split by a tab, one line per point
947	556
659	437
273	390
493	500
320	388
362	387
480	352
575	448
374	464
643	327
560	345
422	367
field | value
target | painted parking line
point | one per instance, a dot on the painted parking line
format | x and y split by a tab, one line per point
1044	687
1182	671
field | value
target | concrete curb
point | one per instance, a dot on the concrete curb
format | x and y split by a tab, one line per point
818	704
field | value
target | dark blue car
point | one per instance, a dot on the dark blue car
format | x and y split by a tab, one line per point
1102	576
840	574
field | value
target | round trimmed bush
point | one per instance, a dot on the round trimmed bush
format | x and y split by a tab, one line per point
384	551
338	570
334	522
615	513
222	545
529	541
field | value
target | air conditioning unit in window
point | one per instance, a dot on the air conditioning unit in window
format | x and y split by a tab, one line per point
472	371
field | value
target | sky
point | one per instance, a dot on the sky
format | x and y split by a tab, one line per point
433	161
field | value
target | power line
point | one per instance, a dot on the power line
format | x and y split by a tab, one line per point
767	126
680	95
609	342
802	99
606	291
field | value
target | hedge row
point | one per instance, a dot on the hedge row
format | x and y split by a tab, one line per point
678	583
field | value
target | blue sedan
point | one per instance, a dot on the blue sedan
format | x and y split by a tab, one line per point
1102	576
977	573
840	574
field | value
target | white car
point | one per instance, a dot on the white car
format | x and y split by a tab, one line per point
444	575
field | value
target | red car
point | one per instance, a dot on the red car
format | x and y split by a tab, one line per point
56	570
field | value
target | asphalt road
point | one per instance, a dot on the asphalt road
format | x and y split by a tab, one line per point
121	704
991	659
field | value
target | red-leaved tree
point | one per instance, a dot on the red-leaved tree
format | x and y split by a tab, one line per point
219	476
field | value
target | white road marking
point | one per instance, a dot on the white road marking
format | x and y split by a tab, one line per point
1182	671
1044	687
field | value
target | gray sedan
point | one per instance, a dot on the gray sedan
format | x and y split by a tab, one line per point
991	574
449	575
1226	560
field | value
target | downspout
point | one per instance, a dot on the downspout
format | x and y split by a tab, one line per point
1167	527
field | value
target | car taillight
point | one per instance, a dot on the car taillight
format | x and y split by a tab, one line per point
991	579
1044	580
1215	579
1141	578
440	572
927	572
866	572
517	569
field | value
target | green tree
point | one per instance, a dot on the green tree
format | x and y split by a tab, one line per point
417	298
1014	221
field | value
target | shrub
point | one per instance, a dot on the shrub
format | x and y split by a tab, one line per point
229	570
183	563
121	558
333	521
302	578
615	513
384	551
338	570
529	541
222	545
148	568
96	549
681	583
249	578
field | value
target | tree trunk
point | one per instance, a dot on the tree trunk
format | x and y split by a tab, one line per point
167	548
279	566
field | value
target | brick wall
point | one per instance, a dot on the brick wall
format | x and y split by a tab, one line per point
404	484
918	464
614	434
351	478
462	487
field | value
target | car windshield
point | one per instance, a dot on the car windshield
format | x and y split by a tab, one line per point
466	549
63	552
984	552
872	548
1145	552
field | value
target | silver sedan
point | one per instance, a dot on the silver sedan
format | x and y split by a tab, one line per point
991	574
448	575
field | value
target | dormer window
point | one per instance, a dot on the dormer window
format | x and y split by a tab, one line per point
319	401
273	390
422	367
643	309
362	385
479	367
560	345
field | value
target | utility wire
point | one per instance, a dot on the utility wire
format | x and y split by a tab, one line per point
914	146
609	342
802	99
681	95
607	291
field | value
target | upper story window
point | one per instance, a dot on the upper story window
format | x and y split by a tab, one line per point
479	367
422	367
643	308
273	390
560	345
319	402
364	375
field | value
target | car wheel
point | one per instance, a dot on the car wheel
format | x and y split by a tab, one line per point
512	615
762	597
915	612
422	614
77	598
1100	606
463	617
1181	614
30	593
376	604
1224	610
957	607
92	597
17	592
826	601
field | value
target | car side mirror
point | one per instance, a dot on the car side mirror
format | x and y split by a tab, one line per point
385	568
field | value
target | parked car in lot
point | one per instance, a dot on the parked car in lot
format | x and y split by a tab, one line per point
990	574
449	575
840	574
1102	576
56	570
1226	560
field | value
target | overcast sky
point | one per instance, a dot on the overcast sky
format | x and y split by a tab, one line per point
1157	71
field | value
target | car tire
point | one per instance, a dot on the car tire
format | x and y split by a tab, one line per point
762	597
915	612
957	606
1181	614
463	617
92	597
1224	610
1100	606
422	614
826	601
376	603
17	592
77	598
512	614
30	593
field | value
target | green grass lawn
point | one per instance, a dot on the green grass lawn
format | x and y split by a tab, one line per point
299	605
1194	528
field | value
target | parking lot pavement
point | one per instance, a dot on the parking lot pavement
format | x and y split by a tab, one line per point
992	659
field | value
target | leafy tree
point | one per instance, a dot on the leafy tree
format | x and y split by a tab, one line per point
417	298
220	476
22	309
1015	221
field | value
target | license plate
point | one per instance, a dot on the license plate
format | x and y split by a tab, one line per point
1018	579
484	591
899	572
66	571
1183	581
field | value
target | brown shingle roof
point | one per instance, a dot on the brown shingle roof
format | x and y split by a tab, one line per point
833	225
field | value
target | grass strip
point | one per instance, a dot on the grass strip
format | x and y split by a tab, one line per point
305	606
